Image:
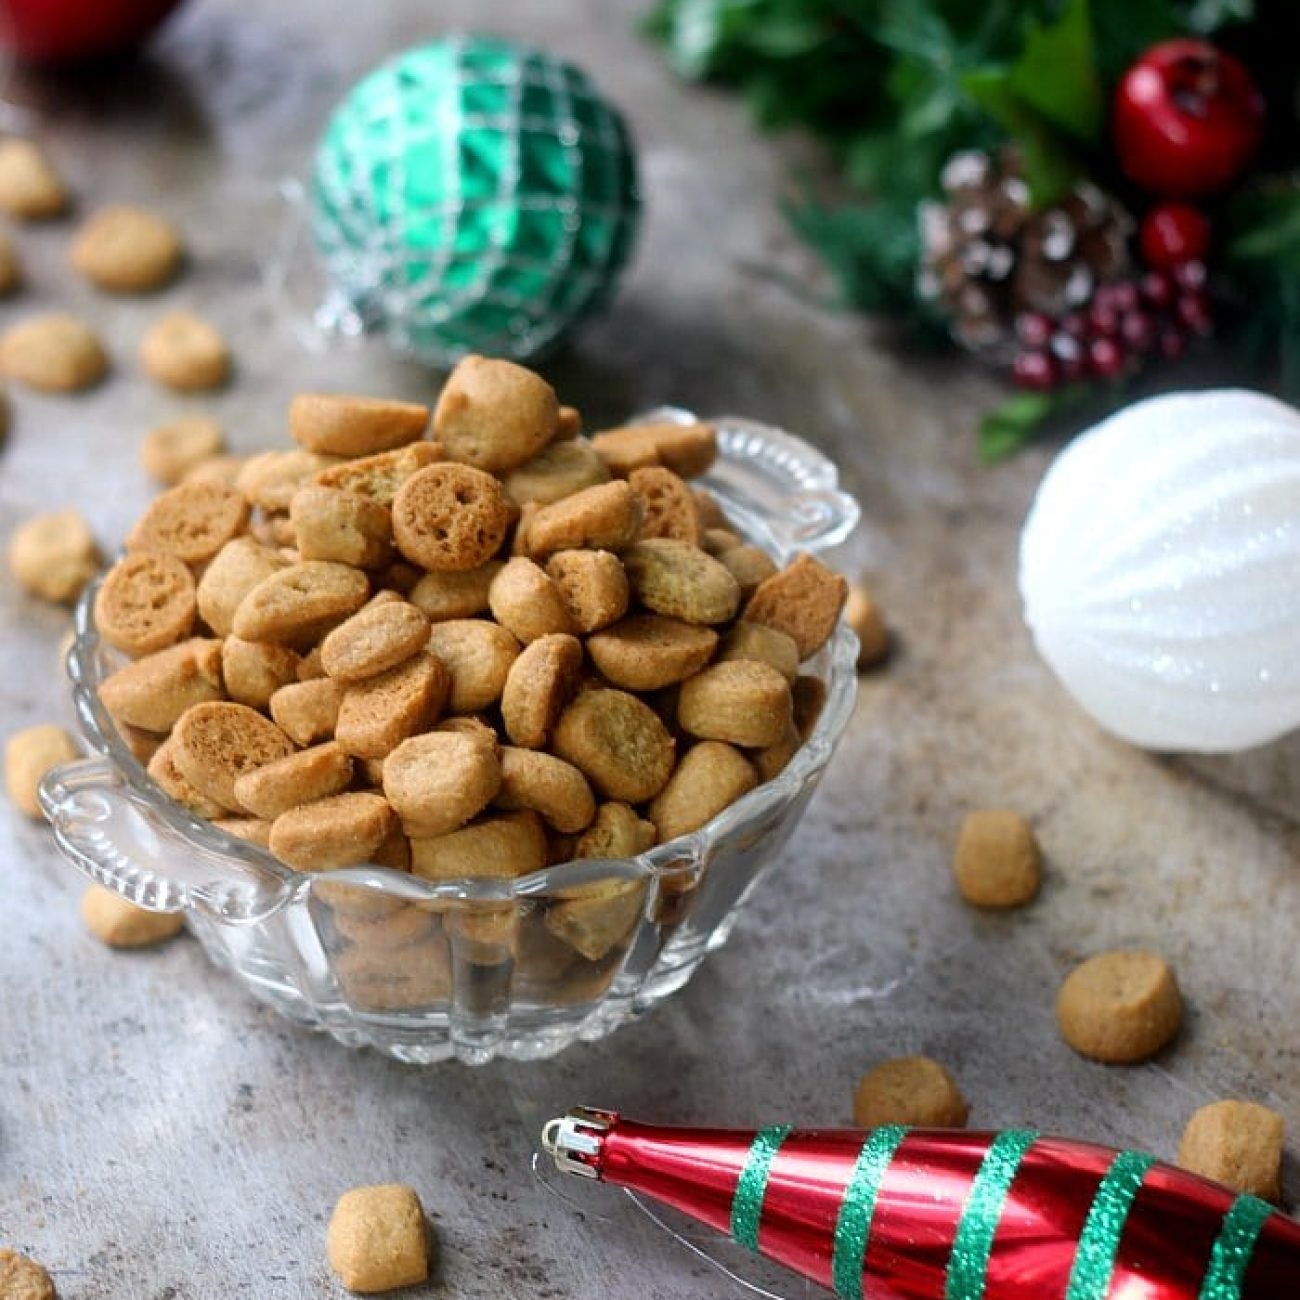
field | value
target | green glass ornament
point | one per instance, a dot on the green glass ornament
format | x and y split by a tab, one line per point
472	195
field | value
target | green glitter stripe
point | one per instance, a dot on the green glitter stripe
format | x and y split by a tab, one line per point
751	1186
1094	1260
853	1225
1233	1248
968	1264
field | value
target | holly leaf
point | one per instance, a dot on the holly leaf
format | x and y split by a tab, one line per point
1056	74
1264	224
1022	417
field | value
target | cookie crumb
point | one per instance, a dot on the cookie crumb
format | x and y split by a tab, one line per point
1237	1143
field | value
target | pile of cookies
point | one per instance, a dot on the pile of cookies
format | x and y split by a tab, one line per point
476	654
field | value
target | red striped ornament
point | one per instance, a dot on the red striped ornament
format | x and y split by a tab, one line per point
916	1214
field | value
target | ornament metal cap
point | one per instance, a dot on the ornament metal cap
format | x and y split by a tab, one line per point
915	1214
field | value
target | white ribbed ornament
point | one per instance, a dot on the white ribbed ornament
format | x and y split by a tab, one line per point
1160	571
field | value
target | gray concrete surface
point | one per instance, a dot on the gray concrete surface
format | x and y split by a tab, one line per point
162	1137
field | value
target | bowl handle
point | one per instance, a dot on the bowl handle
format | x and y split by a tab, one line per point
111	834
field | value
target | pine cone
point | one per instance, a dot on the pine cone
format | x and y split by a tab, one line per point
986	256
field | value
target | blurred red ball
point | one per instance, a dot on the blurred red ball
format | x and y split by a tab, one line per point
48	32
1174	233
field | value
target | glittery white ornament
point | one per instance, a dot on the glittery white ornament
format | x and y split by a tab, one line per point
1160	571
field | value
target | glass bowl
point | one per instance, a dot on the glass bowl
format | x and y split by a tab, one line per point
470	969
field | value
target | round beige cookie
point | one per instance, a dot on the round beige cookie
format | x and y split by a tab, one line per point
29	755
146	602
378	1239
55	354
1120	1006
174	451
494	414
911	1090
53	556
997	862
126	249
182	351
1238	1143
120	924
30	188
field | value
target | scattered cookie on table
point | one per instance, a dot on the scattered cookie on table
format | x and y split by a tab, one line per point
182	351
997	861
114	921
22	1278
1238	1143
378	1239
29	755
1120	1006
56	353
11	271
126	249
863	615
911	1090
174	451
53	556
30	188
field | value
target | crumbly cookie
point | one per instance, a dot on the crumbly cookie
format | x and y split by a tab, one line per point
863	615
234	571
341	526
686	449
1120	1006
593	586
711	776
11	271
296	779
146	602
717	541
751	566
298	602
803	600
418	975
645	652
254	670
341	831
478	655
680	581
174	783
438	781
175	450
215	744
53	556
495	415
1237	1143
182	351
617	742
605	517
525	601
548	785
57	353
765	644
29	755
120	924
615	832
558	471
455	595
741	701
126	249
450	517
191	521
379	476
378	1239
997	862
221	469
667	507
270	479
307	711
30	188
809	696
342	424
377	714
376	638
153	692
909	1090
538	685
771	760
506	845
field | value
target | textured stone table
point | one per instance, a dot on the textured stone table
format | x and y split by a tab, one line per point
162	1136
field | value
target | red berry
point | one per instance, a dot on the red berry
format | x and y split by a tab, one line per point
1103	319
1075	324
1124	296
1138	331
1172	344
1172	233
1186	120
1190	275
1157	289
1105	358
1034	370
1070	360
1034	329
1193	310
